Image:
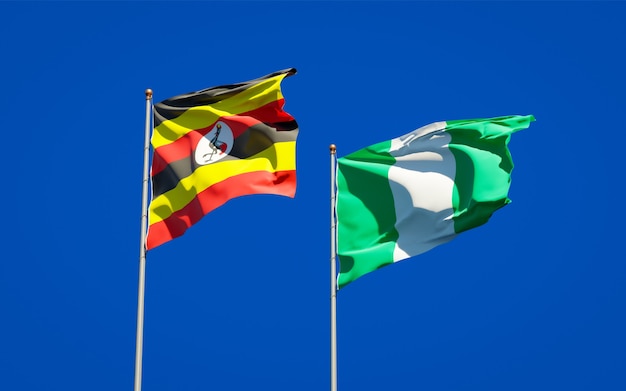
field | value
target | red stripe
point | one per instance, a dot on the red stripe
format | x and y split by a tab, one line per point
260	182
239	123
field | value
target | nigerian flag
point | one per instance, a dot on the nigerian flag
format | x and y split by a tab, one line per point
402	197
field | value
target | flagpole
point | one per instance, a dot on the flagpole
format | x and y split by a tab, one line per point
142	247
333	273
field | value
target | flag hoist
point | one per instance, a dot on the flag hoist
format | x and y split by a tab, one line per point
333	271
210	146
142	246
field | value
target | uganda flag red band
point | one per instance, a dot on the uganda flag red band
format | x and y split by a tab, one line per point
217	144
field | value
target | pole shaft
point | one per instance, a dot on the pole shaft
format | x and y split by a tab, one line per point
333	274
142	247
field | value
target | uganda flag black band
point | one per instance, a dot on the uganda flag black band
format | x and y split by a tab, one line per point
217	144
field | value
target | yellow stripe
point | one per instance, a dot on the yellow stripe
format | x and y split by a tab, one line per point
200	117
279	157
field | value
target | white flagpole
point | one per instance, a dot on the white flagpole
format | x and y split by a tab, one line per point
142	247
333	273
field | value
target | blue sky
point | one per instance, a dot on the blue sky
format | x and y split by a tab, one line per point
533	300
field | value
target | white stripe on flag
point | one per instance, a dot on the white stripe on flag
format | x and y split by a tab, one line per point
422	181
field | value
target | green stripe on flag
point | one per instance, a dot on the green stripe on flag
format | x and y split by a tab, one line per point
484	166
367	211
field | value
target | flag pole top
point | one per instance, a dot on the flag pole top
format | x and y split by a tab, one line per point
333	149
148	93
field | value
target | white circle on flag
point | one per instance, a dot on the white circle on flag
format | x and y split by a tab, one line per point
215	145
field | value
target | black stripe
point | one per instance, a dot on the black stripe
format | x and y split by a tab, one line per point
286	126
255	139
174	107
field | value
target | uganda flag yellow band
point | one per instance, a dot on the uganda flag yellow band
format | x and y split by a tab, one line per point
217	144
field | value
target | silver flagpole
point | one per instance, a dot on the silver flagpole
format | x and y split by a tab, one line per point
142	247
333	273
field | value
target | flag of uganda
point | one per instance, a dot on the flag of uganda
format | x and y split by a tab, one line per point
217	144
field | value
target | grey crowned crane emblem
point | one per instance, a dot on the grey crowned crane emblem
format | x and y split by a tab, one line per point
215	145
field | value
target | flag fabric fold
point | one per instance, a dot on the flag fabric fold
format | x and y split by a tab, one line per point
400	198
216	144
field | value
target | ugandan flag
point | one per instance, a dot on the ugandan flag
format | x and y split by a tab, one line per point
217	144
